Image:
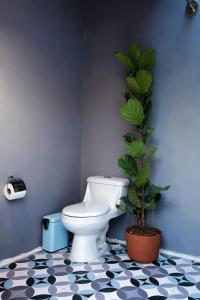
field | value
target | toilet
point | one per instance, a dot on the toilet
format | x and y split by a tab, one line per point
89	219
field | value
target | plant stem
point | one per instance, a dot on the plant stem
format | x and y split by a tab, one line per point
142	196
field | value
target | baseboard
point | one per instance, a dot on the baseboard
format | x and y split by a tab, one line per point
8	261
164	251
181	255
116	241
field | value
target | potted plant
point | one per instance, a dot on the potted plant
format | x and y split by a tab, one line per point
143	242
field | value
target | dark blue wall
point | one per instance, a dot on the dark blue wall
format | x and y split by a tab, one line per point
112	25
41	75
40	114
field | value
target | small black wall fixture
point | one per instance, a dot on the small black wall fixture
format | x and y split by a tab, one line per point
192	6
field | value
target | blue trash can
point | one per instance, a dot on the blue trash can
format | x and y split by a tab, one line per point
54	234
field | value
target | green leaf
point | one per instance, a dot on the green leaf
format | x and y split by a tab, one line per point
147	134
134	197
150	205
155	194
125	60
149	131
143	175
147	59
125	199
135	148
147	112
132	111
134	54
144	79
125	204
133	85
128	165
154	190
150	154
157	197
129	137
122	208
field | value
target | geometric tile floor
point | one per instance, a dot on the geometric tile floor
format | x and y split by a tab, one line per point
114	276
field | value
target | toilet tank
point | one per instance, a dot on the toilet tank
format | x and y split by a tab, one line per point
106	189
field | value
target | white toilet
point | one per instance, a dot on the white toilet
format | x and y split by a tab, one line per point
89	219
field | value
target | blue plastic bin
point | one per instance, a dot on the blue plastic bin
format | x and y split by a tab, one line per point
54	234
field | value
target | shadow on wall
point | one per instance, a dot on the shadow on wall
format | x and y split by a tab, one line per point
40	116
165	26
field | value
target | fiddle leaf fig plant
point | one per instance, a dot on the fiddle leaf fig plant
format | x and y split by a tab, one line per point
136	163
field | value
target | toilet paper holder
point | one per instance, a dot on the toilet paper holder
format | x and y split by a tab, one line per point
15	188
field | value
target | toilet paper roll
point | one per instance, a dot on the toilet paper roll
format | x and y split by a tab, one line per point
11	194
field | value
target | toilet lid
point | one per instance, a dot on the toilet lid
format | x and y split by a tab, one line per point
85	209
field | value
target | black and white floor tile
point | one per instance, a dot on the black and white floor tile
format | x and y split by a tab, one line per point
53	276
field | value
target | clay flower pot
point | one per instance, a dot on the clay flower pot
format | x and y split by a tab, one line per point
143	248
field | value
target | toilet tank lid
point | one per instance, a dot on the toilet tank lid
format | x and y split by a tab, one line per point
108	180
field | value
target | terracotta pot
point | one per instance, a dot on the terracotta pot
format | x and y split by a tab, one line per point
141	248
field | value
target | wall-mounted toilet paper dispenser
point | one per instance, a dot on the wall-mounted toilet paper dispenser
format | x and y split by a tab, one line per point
15	188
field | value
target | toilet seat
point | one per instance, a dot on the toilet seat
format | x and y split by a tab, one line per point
86	209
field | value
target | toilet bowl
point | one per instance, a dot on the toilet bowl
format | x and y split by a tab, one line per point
89	220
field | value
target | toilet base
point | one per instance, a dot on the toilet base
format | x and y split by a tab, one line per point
89	240
84	248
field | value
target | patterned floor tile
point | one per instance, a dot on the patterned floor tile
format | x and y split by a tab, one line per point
52	276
